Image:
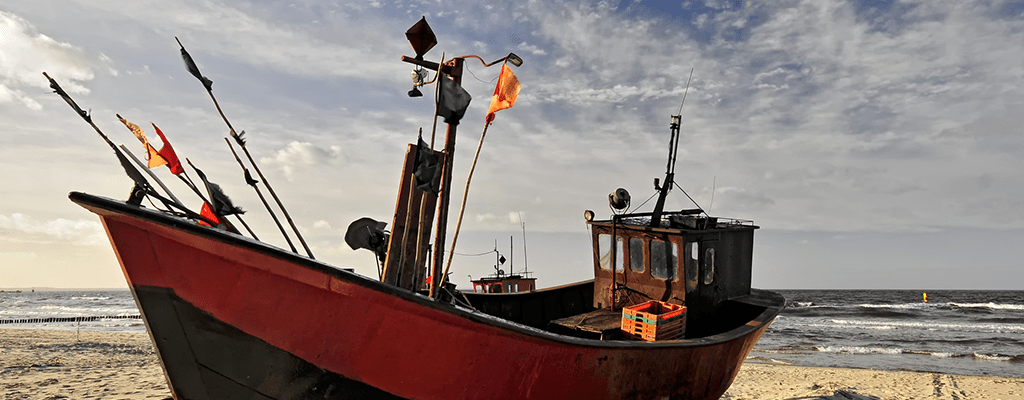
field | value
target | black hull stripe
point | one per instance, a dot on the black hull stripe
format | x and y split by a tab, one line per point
206	358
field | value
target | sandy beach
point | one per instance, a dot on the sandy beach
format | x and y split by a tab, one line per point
43	364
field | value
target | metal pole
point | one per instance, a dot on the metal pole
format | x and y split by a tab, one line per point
444	196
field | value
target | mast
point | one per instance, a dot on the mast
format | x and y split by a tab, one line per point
673	152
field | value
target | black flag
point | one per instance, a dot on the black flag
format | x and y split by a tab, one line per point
193	68
427	168
220	202
453	101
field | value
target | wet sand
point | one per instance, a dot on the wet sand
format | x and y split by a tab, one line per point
44	364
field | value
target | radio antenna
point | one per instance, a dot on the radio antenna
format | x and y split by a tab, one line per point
684	92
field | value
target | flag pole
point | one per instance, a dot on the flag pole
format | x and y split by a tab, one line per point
444	197
151	174
190	64
253	182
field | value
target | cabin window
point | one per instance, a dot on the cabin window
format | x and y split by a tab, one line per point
691	263
663	259
636	254
604	248
709	266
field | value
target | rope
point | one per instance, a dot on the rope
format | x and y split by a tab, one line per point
645	202
465	194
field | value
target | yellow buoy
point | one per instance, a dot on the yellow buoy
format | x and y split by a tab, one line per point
925	297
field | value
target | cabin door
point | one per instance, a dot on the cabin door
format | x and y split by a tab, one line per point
701	290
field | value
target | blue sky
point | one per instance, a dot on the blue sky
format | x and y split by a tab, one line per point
877	144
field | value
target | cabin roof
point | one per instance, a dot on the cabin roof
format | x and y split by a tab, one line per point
678	222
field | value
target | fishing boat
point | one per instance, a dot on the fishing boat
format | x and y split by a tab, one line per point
232	317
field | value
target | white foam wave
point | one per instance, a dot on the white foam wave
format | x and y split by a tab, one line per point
897	306
90	298
930	325
991	357
858	350
993	306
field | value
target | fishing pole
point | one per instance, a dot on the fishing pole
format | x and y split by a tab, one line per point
142	186
192	68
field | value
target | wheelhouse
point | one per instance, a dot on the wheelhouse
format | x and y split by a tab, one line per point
687	258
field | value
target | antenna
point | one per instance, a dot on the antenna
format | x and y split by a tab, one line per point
673	152
526	263
714	181
684	92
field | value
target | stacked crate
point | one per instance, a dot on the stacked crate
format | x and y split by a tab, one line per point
654	320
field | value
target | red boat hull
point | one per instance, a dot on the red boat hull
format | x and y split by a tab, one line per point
236	318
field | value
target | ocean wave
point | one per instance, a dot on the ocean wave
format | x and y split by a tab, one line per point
992	357
90	298
993	306
881	325
859	350
897	306
939	354
908	306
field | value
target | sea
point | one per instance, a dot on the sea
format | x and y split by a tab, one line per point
963	332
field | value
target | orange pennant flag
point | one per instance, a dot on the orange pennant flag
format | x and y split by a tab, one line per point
167	152
153	156
207	213
505	92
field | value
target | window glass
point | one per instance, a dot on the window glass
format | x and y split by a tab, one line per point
619	253
709	266
691	263
663	259
636	254
604	251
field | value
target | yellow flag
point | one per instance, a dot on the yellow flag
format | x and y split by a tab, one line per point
505	92
152	155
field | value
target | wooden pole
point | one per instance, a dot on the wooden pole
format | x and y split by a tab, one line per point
151	174
245	150
465	195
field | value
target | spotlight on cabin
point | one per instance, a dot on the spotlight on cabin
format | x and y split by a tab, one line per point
619	199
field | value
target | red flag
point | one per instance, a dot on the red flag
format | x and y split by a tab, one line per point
207	213
505	92
153	156
167	152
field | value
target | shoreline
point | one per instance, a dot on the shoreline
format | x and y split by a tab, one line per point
89	364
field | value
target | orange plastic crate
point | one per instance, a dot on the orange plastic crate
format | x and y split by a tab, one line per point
641	331
654	320
654	312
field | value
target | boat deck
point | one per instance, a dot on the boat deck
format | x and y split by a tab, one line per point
601	324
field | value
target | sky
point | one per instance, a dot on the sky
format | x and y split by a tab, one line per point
877	144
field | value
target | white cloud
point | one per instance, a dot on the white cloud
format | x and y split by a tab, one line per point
78	232
305	157
28	53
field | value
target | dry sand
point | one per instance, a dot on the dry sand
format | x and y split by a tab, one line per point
763	381
41	364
